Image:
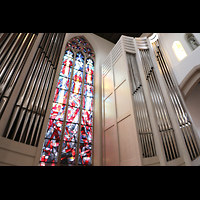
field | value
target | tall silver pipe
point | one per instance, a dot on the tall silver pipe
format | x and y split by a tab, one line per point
144	127
164	123
182	117
30	107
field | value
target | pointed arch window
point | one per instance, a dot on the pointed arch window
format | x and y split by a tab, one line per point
69	134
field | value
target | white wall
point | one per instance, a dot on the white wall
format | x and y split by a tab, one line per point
183	67
193	106
182	71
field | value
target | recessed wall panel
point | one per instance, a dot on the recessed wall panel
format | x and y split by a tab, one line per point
109	106
108	84
119	71
111	147
123	103
127	139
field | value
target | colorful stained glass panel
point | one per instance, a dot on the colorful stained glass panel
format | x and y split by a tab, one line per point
76	55
86	134
89	66
57	111
71	131
63	83
50	151
65	71
76	87
89	79
85	152
54	129
78	75
60	96
68	153
79	62
86	118
88	90
72	114
75	100
68	58
87	103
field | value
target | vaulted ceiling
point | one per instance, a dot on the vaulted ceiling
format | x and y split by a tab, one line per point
114	37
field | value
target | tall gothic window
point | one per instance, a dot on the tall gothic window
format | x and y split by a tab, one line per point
68	138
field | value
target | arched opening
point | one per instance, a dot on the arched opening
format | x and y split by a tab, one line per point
69	134
190	88
193	106
190	81
191	40
179	50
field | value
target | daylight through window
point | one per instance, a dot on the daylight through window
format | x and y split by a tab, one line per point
68	138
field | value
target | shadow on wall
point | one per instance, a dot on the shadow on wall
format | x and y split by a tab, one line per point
190	88
193	106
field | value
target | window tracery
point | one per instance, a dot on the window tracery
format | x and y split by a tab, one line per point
68	139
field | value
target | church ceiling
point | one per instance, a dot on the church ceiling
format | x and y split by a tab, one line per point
114	37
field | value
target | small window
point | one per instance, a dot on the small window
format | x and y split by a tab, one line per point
191	40
179	50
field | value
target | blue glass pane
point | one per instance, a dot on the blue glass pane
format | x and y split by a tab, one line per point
89	66
88	90
74	100
79	62
63	83
69	55
87	103
85	152
89	79
71	131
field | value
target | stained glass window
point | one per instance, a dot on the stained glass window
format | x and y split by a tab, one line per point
69	134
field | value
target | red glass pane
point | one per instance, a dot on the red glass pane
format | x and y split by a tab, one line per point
86	118
72	114
57	111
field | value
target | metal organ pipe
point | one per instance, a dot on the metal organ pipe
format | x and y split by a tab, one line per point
14	51
182	116
30	108
163	119
144	127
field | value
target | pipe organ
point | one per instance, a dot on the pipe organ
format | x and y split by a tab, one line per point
28	113
183	118
14	51
145	121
